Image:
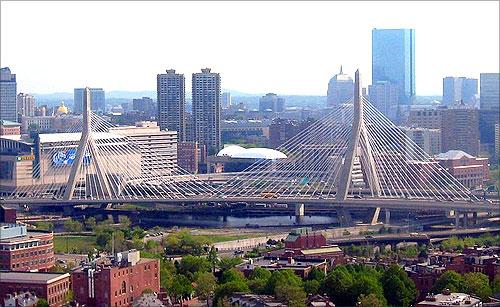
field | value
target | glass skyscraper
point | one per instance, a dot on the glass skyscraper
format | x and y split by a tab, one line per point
393	60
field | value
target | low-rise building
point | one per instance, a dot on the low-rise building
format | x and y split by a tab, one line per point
9	128
21	299
116	282
448	298
471	171
22	250
300	267
53	287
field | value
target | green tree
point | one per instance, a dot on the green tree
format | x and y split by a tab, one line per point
496	284
292	294
212	258
478	284
205	285
124	221
42	225
399	289
370	300
316	274
450	280
227	289
232	275
42	303
90	223
311	286
73	226
192	264
181	287
365	284
260	273
226	263
337	286
282	277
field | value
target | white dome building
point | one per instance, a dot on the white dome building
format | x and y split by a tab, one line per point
234	158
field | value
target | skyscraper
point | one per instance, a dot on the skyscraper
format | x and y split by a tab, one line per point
8	91
460	129
97	100
171	91
393	59
489	109
25	105
206	109
271	102
459	89
384	96
226	100
340	89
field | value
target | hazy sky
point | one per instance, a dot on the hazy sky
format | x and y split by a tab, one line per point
281	47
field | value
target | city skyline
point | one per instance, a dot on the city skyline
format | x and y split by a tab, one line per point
339	34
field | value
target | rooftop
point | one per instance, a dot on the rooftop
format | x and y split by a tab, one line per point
4	122
451	299
31	277
75	136
453	155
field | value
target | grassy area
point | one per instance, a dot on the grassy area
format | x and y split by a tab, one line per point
128	206
224	238
74	244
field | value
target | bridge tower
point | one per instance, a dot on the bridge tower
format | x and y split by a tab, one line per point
358	147
85	145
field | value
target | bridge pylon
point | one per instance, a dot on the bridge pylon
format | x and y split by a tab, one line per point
360	147
85	145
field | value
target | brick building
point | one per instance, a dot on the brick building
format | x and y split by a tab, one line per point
51	286
304	238
21	250
188	156
9	128
469	170
117	282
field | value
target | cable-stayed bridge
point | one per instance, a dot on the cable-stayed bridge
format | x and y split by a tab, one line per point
352	157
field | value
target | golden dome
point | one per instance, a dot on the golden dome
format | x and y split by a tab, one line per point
62	109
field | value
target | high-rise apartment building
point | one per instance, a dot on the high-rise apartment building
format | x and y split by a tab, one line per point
460	129
461	89
206	109
171	91
271	102
429	140
226	100
8	91
340	89
384	96
97	100
489	109
393	59
25	105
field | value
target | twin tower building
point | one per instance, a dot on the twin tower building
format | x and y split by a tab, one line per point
203	126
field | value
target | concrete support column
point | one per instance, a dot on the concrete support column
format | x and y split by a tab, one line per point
474	218
457	219
299	209
387	216
465	220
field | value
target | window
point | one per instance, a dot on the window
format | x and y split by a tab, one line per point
124	287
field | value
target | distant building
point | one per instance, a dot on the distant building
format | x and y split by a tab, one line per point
20	299
234	158
9	128
97	100
429	140
158	148
489	109
460	129
226	100
497	140
50	124
470	171
254	131
8	91
171	99
425	118
206	88
384	96
457	89
340	89
448	298
25	105
21	250
118	282
271	102
145	105
281	130
187	156
393	59
52	287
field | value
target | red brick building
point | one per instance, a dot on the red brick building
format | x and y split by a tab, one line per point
467	169
51	286
304	238
188	156
8	215
9	128
116	283
21	250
